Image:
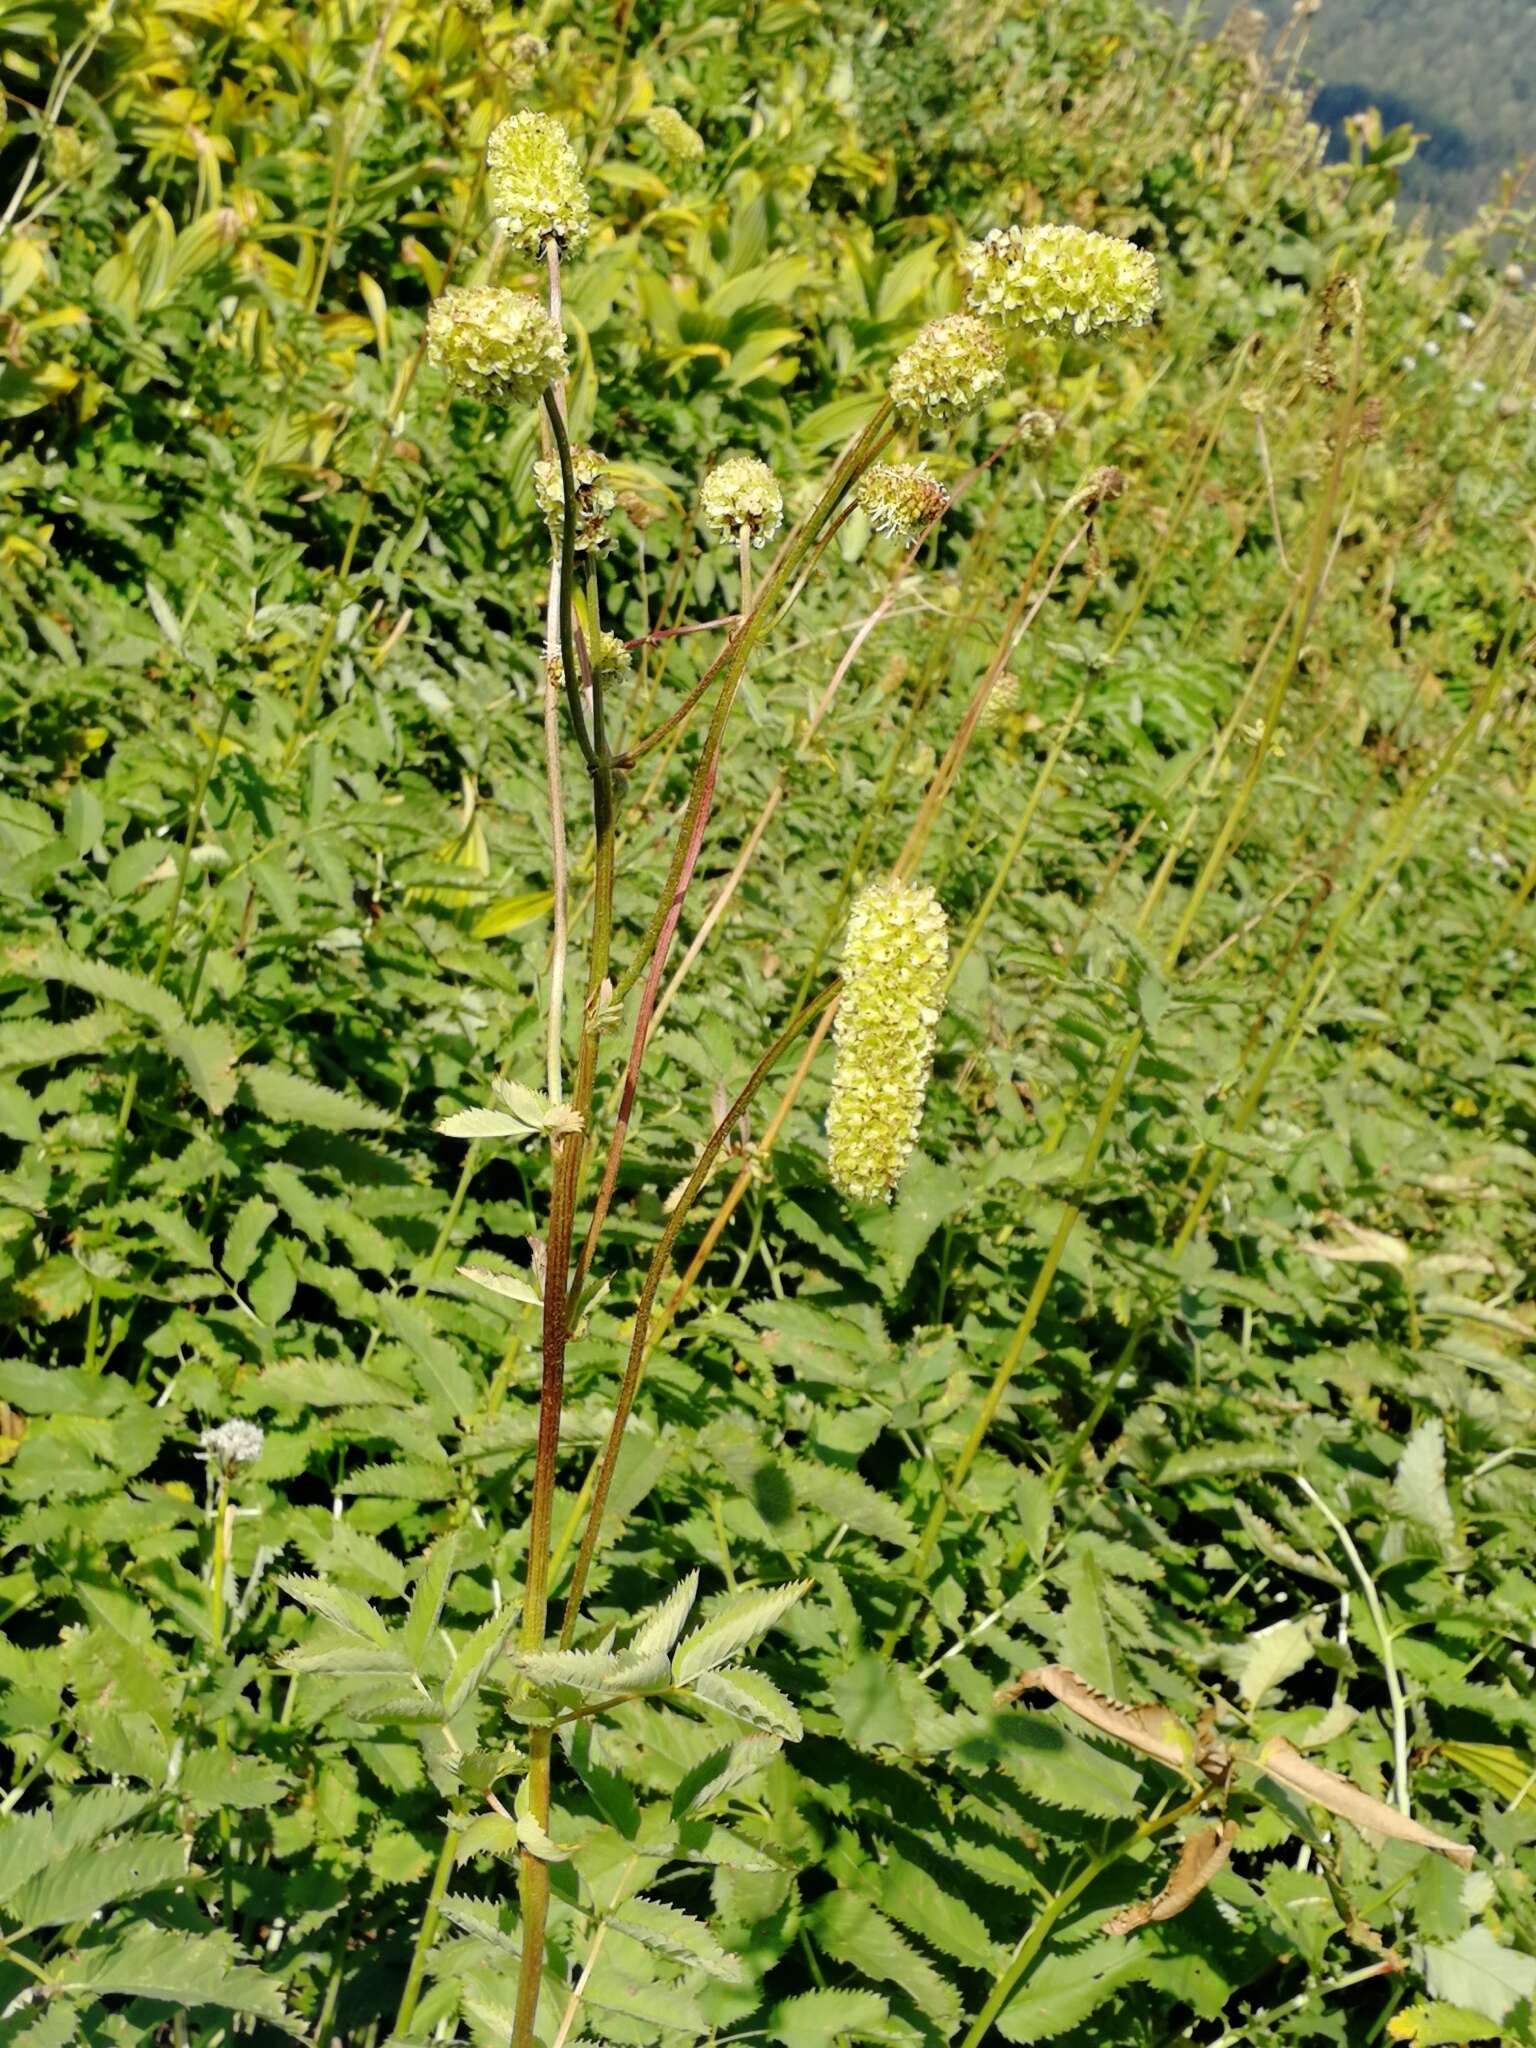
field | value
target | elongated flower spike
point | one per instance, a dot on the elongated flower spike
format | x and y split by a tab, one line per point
676	138
954	365
596	499
535	184
900	498
742	495
498	346
1063	276
893	979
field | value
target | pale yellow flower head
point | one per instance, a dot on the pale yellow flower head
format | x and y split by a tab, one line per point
1061	277
954	365
610	662
498	346
893	990
742	495
676	137
595	497
900	498
535	184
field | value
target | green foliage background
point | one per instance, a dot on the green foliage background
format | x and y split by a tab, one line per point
271	599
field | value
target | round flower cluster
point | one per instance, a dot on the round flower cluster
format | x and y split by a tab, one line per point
232	1444
900	498
609	661
893	978
496	345
675	136
477	10
742	495
951	368
521	60
595	497
535	183
1061	277
1002	702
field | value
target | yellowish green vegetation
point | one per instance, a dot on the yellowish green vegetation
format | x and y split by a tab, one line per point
766	1038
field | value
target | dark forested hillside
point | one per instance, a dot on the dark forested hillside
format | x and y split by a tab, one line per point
1463	72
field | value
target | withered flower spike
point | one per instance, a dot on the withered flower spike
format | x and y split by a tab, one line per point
1338	1796
1203	1854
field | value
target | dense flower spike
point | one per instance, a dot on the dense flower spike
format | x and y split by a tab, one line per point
742	495
1001	704
610	662
954	365
232	1444
676	137
900	498
595	498
535	184
498	346
1061	277
893	975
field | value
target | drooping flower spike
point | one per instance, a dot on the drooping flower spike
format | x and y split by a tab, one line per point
893	980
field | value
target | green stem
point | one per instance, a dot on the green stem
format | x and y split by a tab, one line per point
657	1268
426	1933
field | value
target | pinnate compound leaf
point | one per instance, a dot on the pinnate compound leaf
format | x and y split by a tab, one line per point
671	1932
732	1627
30	1841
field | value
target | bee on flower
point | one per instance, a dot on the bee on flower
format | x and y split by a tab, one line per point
596	499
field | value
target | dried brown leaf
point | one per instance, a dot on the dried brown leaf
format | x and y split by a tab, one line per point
1202	1855
1154	1731
1327	1789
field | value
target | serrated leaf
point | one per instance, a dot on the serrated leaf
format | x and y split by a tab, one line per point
178	1969
728	1631
1337	1795
284	1097
1272	1655
671	1932
84	1879
1200	1857
478	1124
512	1286
1064	1990
349	1612
750	1697
660	1629
244	1237
1475	1971
817	2018
850	1500
1418	1486
346	1660
855	1932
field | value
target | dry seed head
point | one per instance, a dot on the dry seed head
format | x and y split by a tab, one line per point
595	497
1102	488
496	345
1061	277
675	137
954	365
900	498
893	985
742	495
609	661
231	1444
535	184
